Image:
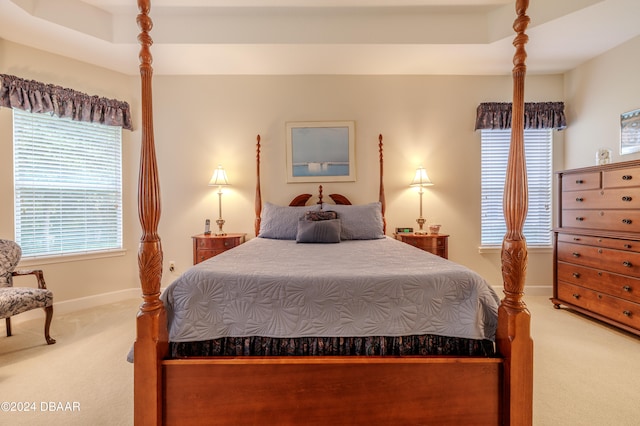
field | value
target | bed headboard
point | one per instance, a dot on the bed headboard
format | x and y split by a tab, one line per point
302	199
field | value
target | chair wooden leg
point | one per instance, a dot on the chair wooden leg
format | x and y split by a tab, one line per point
8	322
47	323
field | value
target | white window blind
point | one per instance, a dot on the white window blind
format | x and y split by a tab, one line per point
538	152
67	185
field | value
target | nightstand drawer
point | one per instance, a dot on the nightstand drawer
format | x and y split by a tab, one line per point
217	243
433	243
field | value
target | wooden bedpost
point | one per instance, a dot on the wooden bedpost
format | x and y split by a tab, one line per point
381	196
151	325
513	334
258	198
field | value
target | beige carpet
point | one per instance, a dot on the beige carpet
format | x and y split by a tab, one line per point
585	373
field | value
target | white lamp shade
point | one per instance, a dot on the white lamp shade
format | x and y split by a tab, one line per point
421	178
219	177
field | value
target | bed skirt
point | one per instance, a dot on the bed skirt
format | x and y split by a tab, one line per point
338	346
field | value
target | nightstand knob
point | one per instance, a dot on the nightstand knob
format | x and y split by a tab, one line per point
627	264
576	275
626	313
576	296
575	254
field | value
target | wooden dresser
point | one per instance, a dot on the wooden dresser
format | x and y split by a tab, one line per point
207	246
437	244
597	243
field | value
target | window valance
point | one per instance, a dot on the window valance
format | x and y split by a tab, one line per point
33	96
537	115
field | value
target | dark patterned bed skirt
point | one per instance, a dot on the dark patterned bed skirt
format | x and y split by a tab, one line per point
325	346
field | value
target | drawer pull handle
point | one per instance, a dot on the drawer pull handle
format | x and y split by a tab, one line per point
576	296
626	177
627	221
579	218
627	288
575	254
576	239
627	246
579	199
626	198
576	275
626	313
579	181
627	264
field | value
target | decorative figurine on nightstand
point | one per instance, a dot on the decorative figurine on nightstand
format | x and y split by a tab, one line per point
603	156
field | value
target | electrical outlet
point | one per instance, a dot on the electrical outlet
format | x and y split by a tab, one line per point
172	266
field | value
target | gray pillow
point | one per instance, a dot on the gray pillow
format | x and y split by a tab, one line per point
318	231
281	222
361	222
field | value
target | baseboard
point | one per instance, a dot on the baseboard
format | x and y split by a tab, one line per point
73	305
532	290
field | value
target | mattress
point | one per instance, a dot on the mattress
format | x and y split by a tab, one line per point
355	288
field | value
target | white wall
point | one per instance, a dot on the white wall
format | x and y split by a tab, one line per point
203	121
596	93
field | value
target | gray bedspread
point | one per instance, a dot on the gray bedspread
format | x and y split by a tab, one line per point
277	288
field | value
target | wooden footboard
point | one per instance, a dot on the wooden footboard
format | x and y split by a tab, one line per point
332	390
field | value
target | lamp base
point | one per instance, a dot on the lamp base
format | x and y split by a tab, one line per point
420	221
220	232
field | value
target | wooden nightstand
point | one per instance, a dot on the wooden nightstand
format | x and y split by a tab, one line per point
206	246
433	243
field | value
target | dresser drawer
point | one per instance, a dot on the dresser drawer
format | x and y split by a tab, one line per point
620	198
614	243
618	261
619	310
621	178
598	280
580	181
612	220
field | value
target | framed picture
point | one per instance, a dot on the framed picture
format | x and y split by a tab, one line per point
321	151
630	132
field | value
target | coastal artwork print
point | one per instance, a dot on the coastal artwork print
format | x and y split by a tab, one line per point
321	151
630	132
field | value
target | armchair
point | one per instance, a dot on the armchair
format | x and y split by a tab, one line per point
16	300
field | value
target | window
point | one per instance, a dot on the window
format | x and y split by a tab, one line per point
67	185
495	152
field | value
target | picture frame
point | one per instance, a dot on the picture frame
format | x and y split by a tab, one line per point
321	151
630	132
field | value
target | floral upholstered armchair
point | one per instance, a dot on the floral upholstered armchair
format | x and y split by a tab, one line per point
16	300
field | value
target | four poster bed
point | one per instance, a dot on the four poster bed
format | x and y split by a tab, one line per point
317	350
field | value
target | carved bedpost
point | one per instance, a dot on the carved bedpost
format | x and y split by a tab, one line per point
151	325
258	198
381	196
513	334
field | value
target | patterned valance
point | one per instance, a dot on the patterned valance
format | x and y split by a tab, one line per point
33	96
537	115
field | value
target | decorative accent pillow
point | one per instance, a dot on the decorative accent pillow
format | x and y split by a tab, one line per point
320	215
318	231
361	222
281	222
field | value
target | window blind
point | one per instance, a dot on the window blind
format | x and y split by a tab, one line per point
538	153
67	185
